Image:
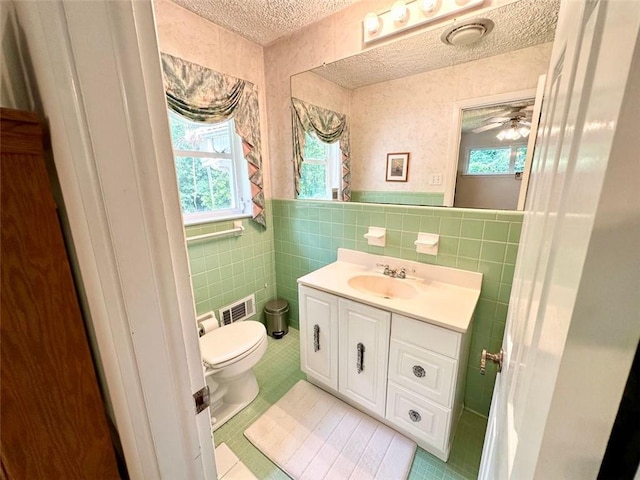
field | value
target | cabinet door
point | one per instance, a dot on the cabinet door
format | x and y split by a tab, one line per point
364	354
319	335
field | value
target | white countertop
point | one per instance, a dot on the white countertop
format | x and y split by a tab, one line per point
446	296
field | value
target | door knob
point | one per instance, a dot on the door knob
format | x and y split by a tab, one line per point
492	357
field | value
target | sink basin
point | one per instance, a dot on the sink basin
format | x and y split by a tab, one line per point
386	287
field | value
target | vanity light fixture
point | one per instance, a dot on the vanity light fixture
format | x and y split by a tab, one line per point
405	15
371	23
428	6
399	12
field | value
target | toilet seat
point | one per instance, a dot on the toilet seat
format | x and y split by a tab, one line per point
231	343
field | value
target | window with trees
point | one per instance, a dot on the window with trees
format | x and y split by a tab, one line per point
496	160
211	170
320	173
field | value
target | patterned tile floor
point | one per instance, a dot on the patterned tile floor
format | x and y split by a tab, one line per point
279	370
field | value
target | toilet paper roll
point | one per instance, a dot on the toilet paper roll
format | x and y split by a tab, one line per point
205	326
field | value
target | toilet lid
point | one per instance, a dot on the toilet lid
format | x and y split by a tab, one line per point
226	343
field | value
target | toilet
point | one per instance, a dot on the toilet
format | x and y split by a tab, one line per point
229	354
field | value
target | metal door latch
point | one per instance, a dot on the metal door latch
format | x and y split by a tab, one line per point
201	399
492	357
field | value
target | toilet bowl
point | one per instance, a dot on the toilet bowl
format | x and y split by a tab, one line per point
229	354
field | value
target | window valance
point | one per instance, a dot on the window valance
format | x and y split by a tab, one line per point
329	127
204	95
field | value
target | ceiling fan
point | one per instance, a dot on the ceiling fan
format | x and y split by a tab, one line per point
516	123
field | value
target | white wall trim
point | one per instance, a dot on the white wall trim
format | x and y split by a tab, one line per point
98	73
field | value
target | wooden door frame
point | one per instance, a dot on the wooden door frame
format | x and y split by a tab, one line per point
97	73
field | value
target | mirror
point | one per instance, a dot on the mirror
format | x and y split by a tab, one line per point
409	96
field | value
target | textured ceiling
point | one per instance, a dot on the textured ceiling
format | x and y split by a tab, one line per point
263	21
517	25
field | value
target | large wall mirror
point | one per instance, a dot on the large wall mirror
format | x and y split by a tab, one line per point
422	97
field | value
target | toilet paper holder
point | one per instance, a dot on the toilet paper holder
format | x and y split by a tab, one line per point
206	322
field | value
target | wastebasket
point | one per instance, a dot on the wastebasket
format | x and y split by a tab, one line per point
276	312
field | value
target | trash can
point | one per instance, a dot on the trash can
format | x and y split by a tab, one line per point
276	312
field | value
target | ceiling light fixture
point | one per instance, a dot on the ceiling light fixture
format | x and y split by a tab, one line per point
513	131
406	15
467	32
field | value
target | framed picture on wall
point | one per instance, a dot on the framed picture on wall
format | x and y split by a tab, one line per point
397	167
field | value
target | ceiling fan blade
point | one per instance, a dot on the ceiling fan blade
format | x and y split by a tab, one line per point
524	122
484	128
498	119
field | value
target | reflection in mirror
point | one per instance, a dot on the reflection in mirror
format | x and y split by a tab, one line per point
404	97
492	154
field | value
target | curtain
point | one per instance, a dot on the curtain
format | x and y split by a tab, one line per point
207	96
329	127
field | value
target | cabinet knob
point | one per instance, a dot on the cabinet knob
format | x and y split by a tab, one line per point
414	416
418	371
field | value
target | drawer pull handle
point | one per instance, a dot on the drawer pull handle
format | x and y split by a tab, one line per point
316	337
414	416
418	371
360	362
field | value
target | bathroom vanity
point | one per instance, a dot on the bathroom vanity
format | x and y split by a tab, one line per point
396	348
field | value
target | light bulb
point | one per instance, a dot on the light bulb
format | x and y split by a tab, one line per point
399	12
371	23
513	134
428	6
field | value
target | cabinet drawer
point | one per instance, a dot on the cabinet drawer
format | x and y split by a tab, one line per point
418	416
422	371
425	335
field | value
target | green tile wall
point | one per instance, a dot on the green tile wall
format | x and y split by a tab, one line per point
398	198
308	234
227	269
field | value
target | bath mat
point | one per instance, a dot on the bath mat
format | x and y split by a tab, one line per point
310	434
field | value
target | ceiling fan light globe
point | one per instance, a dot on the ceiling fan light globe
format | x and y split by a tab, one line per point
524	131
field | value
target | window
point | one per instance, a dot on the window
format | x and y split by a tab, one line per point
496	160
320	174
211	170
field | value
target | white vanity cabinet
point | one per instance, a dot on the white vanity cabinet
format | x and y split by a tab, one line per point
319	335
396	348
406	372
364	345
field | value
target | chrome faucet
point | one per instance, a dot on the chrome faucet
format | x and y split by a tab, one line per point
394	272
387	270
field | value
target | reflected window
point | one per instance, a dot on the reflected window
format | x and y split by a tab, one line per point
320	174
496	160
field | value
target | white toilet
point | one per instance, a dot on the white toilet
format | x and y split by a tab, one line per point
229	353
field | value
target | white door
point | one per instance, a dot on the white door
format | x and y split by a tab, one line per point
538	426
364	354
319	335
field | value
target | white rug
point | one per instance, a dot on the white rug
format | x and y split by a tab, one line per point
310	434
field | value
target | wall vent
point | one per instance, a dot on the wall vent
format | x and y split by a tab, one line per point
240	310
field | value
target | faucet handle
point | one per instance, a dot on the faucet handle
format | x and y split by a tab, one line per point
387	270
